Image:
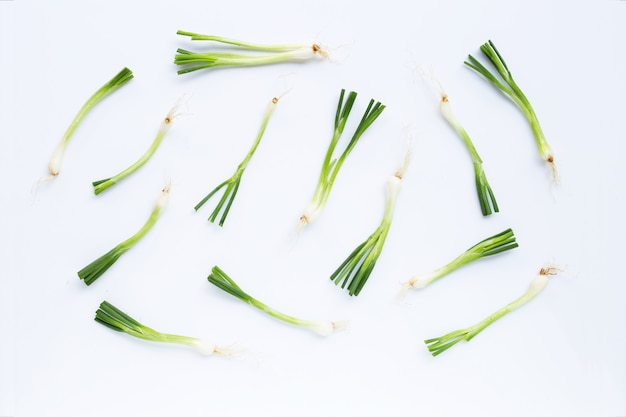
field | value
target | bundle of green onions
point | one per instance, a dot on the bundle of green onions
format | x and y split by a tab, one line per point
114	318
492	245
121	78
485	195
509	87
101	185
220	279
332	164
232	183
266	54
438	345
358	266
98	267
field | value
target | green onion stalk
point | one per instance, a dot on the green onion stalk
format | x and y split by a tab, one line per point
508	86
332	164
438	345
121	78
492	245
358	266
232	183
486	198
220	279
98	267
101	185
114	318
264	54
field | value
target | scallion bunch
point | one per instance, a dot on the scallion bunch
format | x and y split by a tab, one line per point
492	245
101	185
485	195
332	163
220	279
509	87
264	54
121	78
358	266
114	318
438	345
98	267
232	183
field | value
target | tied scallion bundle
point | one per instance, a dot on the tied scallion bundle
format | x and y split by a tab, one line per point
232	183
492	245
245	54
220	279
439	345
114	318
332	163
358	266
508	86
98	267
121	78
101	185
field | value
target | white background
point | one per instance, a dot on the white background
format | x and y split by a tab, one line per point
563	354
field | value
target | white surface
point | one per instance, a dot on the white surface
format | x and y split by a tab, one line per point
560	355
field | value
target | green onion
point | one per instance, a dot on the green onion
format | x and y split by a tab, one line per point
497	243
358	266
270	54
98	267
114	318
220	279
485	195
122	77
512	90
232	183
441	344
332	165
101	185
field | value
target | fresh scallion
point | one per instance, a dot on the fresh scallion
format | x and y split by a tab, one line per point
267	54
332	164
220	279
485	195
101	185
358	266
114	318
98	267
497	243
121	78
441	344
232	183
509	87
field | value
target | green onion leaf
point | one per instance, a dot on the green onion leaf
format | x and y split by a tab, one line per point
114	318
439	345
101	185
492	245
507	85
121	78
332	163
220	279
358	266
485	196
268	54
98	267
232	183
